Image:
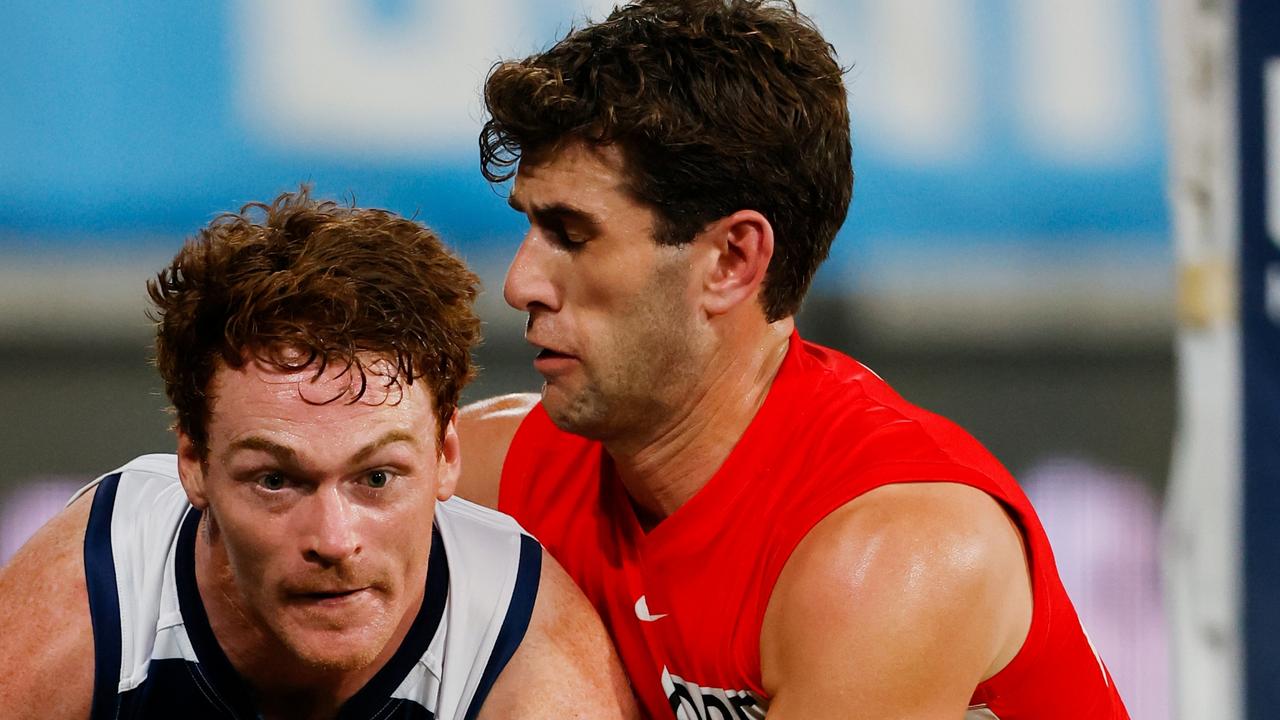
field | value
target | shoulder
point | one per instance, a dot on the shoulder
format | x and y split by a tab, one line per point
45	627
459	515
494	568
925	584
485	430
496	416
483	544
555	656
112	534
566	665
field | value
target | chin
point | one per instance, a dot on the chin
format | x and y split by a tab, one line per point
338	644
594	422
343	653
579	414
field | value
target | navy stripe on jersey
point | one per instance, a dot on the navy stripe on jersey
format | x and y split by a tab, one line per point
215	677
375	693
174	689
169	693
104	602
515	624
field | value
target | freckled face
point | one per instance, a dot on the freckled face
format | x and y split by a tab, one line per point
611	311
323	509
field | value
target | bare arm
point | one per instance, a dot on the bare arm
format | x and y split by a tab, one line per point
897	605
566	666
46	639
485	430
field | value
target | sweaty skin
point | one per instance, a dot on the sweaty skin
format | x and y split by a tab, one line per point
938	570
310	560
645	347
308	555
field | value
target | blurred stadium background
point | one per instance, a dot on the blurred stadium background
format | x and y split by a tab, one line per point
1008	259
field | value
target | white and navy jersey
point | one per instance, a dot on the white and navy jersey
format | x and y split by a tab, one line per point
156	656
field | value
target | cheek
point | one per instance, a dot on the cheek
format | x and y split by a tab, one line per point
255	548
608	287
643	329
406	539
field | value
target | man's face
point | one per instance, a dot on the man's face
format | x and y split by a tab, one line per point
323	509
611	311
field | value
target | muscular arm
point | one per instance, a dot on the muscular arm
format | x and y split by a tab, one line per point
897	605
566	666
46	640
485	430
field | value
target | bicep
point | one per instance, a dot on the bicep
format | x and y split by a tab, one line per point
895	607
485	431
566	666
46	666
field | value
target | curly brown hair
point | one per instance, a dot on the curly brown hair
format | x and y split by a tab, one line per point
717	106
302	281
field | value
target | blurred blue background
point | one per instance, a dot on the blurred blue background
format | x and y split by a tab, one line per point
975	121
1004	151
1007	259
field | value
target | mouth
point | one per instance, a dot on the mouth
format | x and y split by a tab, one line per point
330	598
550	363
549	354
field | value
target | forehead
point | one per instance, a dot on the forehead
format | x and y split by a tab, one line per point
590	177
260	392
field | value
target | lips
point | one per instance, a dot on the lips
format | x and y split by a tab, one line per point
545	349
326	595
551	363
323	594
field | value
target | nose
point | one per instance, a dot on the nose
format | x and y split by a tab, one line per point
528	286
331	535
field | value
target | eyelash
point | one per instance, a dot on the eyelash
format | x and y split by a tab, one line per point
365	479
561	237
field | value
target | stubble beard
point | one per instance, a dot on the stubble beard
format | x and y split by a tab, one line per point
316	658
312	643
285	640
643	379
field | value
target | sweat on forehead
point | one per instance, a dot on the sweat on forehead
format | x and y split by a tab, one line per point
368	378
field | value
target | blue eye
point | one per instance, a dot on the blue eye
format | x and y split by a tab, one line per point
272	481
378	479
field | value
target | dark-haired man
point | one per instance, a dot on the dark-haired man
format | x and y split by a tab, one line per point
764	525
301	557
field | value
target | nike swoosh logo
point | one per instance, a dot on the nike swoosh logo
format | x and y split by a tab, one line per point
642	611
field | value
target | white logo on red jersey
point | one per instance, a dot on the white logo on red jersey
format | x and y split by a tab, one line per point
642	611
691	702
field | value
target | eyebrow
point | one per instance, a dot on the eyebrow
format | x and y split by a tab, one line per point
282	453
390	438
554	212
286	455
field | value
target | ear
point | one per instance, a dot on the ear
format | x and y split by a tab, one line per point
450	461
741	246
191	471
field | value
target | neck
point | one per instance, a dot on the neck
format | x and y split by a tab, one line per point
664	470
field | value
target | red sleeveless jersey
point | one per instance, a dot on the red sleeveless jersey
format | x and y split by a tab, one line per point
684	602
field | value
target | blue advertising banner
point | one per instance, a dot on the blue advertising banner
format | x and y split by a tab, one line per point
1025	122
